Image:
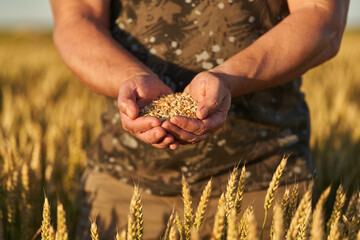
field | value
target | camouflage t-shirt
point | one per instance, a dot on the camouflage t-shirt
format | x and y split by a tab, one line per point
177	40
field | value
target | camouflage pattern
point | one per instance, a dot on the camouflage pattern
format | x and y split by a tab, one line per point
177	40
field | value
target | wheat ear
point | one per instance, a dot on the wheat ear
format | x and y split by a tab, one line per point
219	222
51	233
252	227
304	223
232	231
194	234
300	212
339	203
230	193
94	230
61	223
179	226
278	222
240	190
45	226
358	235
317	227
351	209
172	234
169	225
188	209
204	200
292	206
244	223
269	198
132	229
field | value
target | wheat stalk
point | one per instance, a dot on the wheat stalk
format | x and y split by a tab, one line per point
219	222
188	209
317	228
204	200
240	190
269	198
45	226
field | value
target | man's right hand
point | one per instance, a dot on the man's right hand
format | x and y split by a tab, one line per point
134	94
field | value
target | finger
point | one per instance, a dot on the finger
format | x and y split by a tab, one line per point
182	136
127	102
140	124
208	105
151	136
175	145
191	125
165	142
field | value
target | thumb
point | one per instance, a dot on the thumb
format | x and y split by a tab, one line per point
208	105
127	103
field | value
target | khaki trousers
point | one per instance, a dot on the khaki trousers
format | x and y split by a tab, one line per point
107	200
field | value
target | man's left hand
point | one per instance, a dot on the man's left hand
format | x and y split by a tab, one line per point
212	92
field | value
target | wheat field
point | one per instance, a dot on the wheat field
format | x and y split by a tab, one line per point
48	120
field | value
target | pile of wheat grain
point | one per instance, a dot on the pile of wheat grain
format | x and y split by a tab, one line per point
166	106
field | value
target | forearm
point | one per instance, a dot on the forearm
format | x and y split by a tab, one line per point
309	36
88	49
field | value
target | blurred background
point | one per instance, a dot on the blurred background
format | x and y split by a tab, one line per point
48	119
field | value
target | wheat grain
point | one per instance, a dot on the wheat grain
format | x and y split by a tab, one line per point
165	107
204	200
